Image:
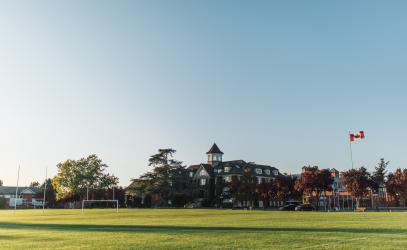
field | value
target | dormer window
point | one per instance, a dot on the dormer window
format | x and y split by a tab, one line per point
258	171
275	172
267	171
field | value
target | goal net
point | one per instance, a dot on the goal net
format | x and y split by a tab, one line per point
100	204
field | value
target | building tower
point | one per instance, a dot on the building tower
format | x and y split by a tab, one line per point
214	155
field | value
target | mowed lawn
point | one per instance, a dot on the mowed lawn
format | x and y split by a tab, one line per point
200	229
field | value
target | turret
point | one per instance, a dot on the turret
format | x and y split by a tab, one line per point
214	155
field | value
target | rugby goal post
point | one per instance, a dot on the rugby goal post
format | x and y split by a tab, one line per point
101	201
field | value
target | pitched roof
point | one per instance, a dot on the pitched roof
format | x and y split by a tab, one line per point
194	167
238	168
214	150
12	190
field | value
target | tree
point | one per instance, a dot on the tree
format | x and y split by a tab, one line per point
142	189
358	182
76	176
263	192
50	193
247	187
168	179
379	175
3	202
325	180
396	185
34	184
282	188
315	181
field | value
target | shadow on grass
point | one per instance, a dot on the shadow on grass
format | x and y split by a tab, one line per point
9	237
192	229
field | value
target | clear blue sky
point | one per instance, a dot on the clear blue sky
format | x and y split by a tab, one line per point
275	82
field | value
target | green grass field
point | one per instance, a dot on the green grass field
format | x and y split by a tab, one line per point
200	229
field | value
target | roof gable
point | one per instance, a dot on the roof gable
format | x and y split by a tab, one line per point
203	171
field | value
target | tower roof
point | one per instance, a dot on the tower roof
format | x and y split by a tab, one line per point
214	150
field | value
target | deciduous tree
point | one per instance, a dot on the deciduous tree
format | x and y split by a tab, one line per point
357	181
76	176
315	181
396	185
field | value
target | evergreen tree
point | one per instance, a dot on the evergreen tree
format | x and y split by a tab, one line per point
379	175
50	193
168	179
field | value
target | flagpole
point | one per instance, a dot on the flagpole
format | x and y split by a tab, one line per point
351	153
45	189
351	159
18	179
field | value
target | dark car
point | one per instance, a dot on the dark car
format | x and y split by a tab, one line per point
305	207
288	207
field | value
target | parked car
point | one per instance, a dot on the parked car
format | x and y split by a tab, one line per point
288	207
305	207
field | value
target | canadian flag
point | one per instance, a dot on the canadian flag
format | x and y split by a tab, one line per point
354	136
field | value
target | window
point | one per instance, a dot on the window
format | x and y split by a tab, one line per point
228	178
227	169
275	172
258	180
267	171
258	171
191	174
203	182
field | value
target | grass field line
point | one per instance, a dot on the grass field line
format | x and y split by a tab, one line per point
330	244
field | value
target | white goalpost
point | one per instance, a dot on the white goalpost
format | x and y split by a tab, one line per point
101	201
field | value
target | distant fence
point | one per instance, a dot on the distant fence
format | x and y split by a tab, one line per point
387	209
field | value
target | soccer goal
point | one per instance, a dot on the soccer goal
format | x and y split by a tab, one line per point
98	202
